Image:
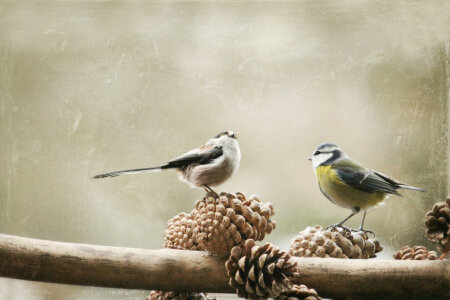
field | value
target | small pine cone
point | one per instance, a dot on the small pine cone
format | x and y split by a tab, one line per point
415	253
299	292
259	272
315	242
179	233
161	295
437	223
224	222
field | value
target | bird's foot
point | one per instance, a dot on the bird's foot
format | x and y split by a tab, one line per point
360	229
444	255
334	226
210	192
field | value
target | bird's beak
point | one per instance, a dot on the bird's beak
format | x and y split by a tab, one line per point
310	158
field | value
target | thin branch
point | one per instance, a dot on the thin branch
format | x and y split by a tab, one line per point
178	270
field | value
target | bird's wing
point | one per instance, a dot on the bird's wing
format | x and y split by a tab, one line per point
396	184
200	156
366	180
388	179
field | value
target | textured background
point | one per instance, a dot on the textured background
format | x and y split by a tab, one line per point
93	86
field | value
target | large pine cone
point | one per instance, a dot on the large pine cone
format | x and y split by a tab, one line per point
179	233
315	242
224	222
437	222
161	295
259	272
415	253
299	292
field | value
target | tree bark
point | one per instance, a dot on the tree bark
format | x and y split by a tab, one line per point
179	270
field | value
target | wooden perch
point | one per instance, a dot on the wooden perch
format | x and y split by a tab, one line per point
178	270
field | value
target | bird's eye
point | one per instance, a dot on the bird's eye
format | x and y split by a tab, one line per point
317	152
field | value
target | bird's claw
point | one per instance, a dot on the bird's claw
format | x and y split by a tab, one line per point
334	226
349	230
364	231
212	194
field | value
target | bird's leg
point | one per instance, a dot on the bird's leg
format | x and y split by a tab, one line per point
361	228
331	227
210	191
444	255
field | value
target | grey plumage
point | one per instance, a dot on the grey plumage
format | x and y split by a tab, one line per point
367	180
371	181
326	145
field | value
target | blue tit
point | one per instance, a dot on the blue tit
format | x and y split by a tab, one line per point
349	184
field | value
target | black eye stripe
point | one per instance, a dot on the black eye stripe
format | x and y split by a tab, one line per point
336	154
321	152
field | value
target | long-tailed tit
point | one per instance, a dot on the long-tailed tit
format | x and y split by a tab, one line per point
205	166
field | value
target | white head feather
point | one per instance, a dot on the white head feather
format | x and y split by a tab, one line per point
324	152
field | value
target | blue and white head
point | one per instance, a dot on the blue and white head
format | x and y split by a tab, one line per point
326	154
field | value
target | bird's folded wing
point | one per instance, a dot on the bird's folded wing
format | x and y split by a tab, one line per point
388	179
366	180
200	156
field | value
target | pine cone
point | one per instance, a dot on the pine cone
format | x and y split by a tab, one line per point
299	292
224	222
315	242
179	233
415	253
437	222
161	295
259	272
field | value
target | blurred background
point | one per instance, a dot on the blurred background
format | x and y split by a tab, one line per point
88	87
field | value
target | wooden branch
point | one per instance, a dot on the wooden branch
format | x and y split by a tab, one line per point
178	270
116	267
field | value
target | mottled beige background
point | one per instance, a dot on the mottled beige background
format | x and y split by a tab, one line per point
96	86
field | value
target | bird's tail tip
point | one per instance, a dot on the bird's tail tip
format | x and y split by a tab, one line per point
104	175
99	176
413	188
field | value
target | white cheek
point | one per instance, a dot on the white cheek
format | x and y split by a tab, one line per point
321	158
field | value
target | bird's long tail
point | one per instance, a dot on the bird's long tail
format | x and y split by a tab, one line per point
133	171
413	188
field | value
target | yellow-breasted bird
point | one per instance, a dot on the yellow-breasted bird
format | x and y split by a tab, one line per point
349	184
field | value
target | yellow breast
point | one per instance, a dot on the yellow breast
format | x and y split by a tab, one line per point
343	194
